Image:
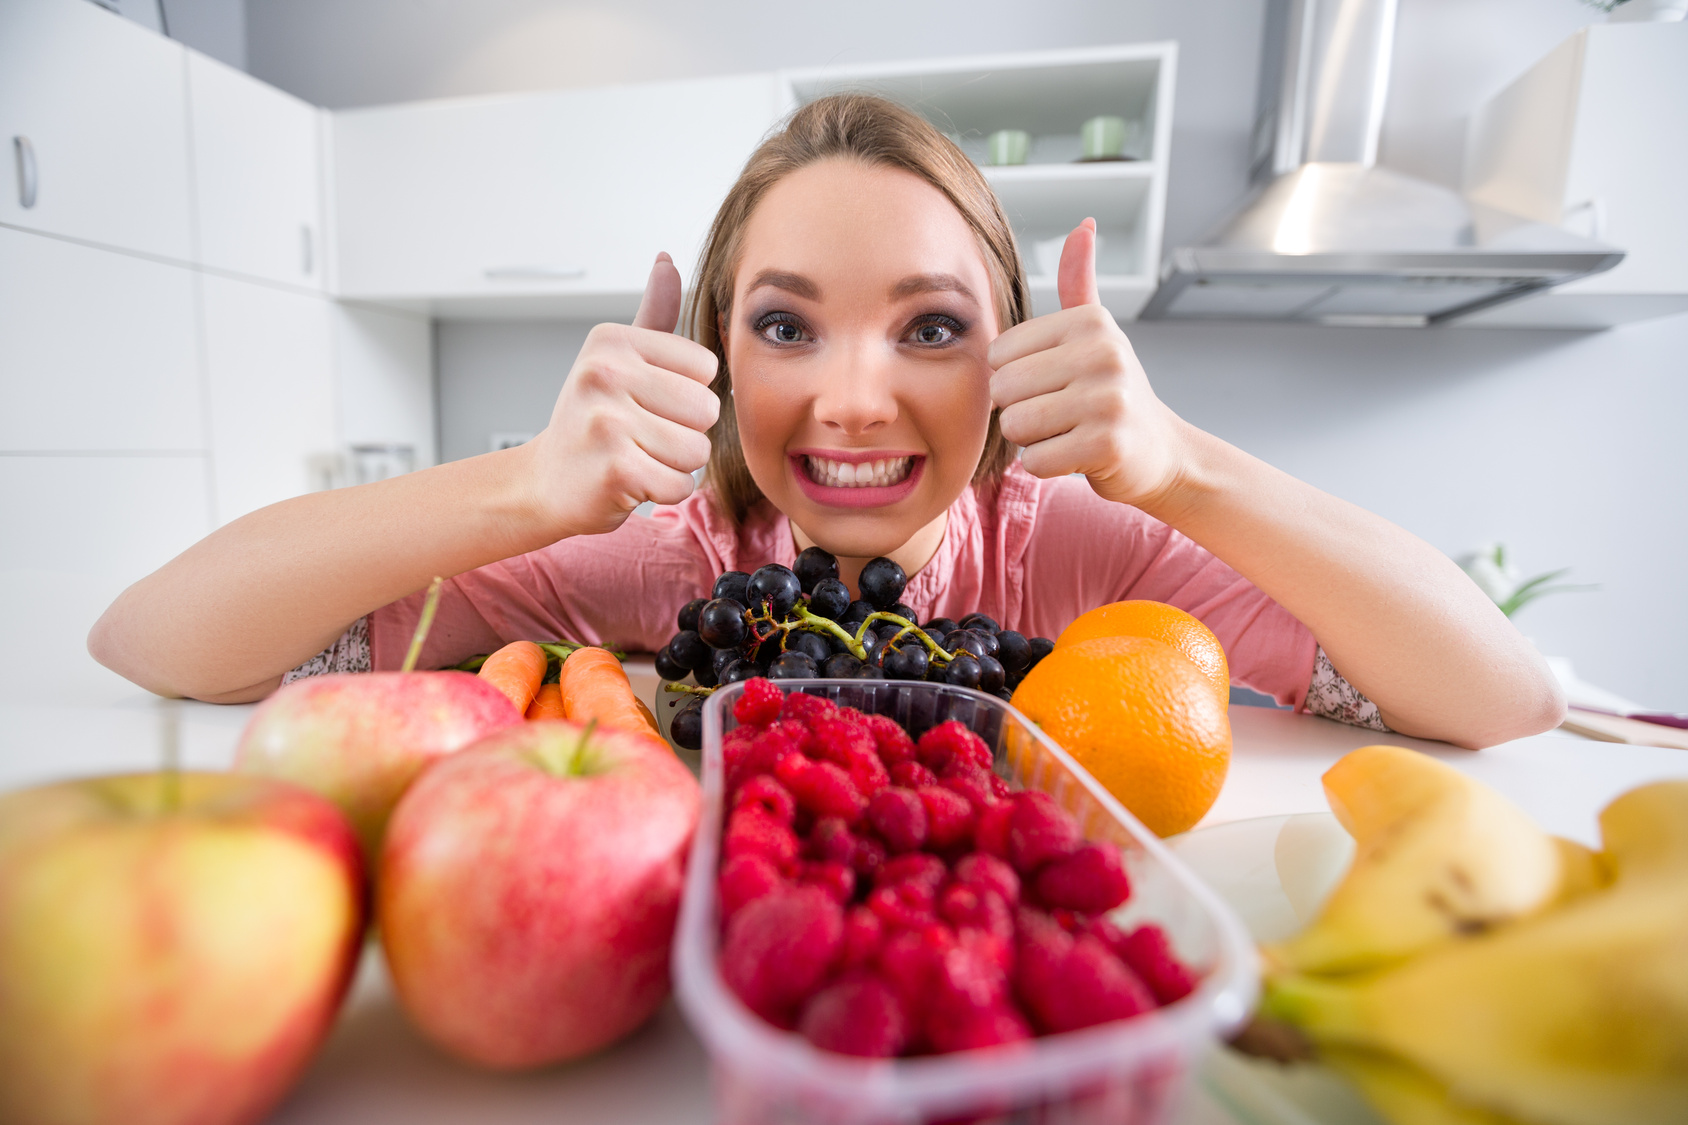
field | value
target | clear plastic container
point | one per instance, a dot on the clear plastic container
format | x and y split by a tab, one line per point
1130	1071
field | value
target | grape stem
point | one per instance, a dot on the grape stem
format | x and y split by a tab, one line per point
687	689
806	621
908	626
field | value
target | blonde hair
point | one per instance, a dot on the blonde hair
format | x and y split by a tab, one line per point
873	131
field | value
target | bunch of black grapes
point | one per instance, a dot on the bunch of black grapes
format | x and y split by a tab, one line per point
799	622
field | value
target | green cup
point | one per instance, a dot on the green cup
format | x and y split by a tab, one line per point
1103	138
1007	146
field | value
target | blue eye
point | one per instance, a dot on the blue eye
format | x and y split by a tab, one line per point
780	328
936	331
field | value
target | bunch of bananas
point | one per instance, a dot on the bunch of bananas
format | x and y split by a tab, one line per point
1472	970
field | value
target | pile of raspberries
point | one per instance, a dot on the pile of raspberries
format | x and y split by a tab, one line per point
884	897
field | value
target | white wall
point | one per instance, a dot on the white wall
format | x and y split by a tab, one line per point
1566	446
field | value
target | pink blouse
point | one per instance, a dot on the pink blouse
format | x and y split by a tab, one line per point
1033	554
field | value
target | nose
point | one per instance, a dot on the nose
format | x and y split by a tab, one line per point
856	389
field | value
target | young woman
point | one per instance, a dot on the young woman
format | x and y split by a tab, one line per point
861	371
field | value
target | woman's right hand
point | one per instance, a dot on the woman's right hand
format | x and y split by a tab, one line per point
632	421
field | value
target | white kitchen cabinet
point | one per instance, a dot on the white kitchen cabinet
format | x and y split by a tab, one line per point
93	109
257	176
78	531
269	356
384	366
537	204
1594	138
98	351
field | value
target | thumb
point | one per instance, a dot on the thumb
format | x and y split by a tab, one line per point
659	308
1075	280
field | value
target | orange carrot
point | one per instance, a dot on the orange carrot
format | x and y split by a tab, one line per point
595	687
548	704
517	670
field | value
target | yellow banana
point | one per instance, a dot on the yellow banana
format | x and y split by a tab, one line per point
1581	870
1403	1093
1578	1016
1437	854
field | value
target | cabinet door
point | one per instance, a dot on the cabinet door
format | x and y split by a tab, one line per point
102	104
570	192
270	359
98	350
384	369
79	530
256	176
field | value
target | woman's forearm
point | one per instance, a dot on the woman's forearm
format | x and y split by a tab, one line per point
223	620
1399	620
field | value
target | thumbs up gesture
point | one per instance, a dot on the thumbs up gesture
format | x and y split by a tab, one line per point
632	421
1074	396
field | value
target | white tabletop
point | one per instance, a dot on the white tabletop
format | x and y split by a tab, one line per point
375	1069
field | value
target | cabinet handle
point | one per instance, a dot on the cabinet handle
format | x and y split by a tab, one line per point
305	258
27	179
534	273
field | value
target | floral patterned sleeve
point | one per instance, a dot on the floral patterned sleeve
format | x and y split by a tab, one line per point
350	653
1332	697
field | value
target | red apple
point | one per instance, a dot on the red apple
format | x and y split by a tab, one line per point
172	947
528	891
360	739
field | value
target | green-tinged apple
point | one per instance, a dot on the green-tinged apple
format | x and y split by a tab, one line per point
360	739
528	891
173	947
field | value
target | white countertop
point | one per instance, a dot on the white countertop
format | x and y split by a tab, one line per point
375	1069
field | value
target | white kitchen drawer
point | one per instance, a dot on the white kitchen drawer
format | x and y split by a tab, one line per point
98	350
78	531
257	181
103	104
270	360
561	195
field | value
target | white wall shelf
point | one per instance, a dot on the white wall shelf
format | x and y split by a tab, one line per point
1049	94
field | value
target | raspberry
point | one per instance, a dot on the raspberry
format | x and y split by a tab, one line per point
987	872
735	745
917	867
912	775
831	839
990	834
744	878
768	795
779	947
906	905
1000	788
899	816
760	702
987	1028
949	818
1091	880
893	741
1040	830
858	1015
1149	953
976	908
835	740
953	741
821	788
750	831
868	773
805	708
971	783
863	935
909	960
968	977
1067	983
869	857
768	747
836	879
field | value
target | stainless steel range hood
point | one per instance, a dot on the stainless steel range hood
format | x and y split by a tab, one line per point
1326	235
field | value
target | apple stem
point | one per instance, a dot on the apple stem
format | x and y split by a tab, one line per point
423	624
580	747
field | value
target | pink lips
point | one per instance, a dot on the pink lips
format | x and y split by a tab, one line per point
867	496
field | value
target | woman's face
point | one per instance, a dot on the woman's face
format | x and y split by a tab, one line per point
862	311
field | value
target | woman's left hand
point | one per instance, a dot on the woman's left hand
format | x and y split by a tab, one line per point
1074	396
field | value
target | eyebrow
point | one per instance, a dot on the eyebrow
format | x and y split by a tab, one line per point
931	283
794	283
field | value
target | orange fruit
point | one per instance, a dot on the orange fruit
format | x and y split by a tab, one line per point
1141	718
1158	622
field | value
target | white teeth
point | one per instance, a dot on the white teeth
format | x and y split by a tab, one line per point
846	474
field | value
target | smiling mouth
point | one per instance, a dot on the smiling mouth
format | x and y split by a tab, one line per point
884	473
